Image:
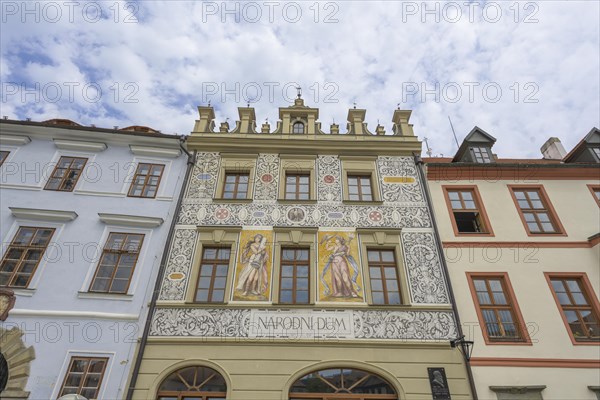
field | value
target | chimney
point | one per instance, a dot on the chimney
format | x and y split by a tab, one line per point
553	149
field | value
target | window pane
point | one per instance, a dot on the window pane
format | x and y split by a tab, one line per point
302	297
387	256
393	298
376	285
375	273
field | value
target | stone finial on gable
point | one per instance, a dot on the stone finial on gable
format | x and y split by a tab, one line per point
401	126
206	121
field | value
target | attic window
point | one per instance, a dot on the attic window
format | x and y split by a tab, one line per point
298	127
481	155
596	151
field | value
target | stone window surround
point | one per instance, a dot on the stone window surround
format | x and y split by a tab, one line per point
241	163
382	239
300	238
297	164
360	166
213	237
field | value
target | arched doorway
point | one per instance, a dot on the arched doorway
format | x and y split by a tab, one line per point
342	384
193	383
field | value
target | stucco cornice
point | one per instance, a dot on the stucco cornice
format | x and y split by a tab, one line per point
130	220
77	145
358	145
43	215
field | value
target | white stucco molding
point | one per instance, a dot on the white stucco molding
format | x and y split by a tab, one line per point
76	145
43	215
14	140
73	314
154	151
130	220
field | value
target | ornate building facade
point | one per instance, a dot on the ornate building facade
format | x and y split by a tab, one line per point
521	239
303	265
84	215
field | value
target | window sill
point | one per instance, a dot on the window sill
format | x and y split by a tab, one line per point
363	203
27	292
105	296
490	342
220	200
290	201
474	234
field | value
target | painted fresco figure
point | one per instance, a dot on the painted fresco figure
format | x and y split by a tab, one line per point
254	276
343	281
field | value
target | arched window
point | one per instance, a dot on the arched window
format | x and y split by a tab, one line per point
338	383
298	127
198	383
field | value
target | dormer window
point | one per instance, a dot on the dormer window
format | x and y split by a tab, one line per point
481	155
596	151
298	127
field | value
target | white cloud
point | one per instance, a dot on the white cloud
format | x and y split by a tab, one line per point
175	50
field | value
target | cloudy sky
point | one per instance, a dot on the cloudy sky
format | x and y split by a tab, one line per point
522	71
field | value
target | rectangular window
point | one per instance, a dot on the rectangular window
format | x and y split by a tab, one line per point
467	210
536	211
23	256
359	188
496	308
481	155
3	156
84	377
117	263
236	185
213	275
146	180
66	174
595	192
295	275
576	307
385	286
297	186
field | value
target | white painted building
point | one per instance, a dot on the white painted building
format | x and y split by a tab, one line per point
85	213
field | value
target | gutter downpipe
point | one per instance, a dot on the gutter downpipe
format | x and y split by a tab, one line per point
421	168
161	270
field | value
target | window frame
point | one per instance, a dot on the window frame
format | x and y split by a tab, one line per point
509	294
297	123
353	165
135	174
236	184
295	264
235	164
26	248
548	207
89	359
4	154
589	293
479	149
593	189
382	265
304	238
359	177
213	276
292	164
480	207
64	178
298	185
120	252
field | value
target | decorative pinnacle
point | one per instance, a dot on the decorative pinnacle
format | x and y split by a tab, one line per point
354	104
209	103
299	90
